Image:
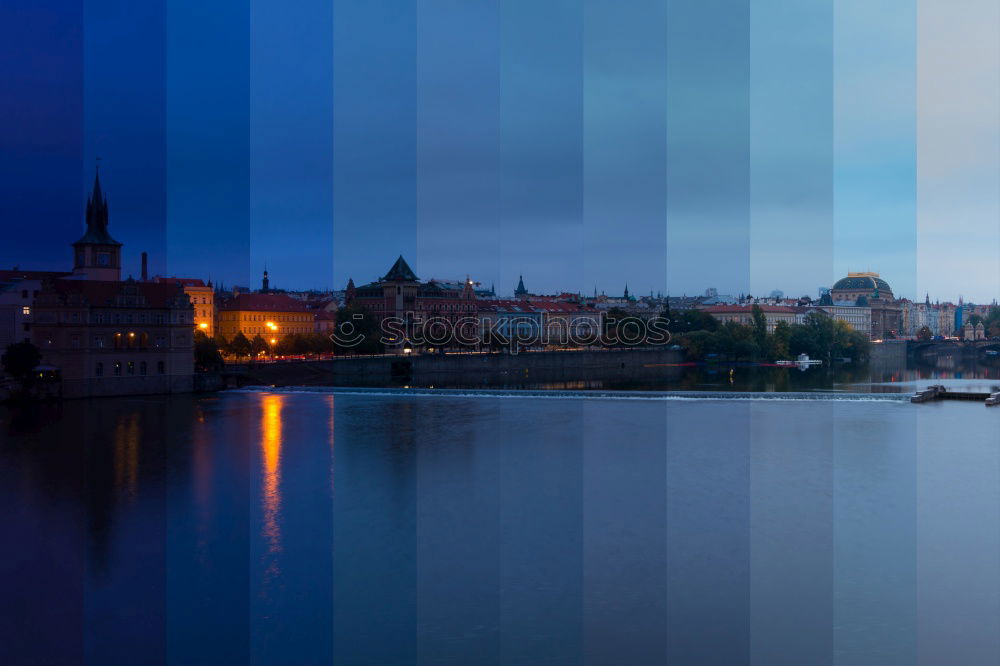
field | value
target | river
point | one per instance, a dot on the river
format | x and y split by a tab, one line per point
564	528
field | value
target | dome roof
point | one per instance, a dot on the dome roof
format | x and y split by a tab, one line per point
868	281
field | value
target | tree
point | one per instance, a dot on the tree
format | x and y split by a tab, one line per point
206	353
992	321
358	331
19	360
778	342
258	345
925	334
759	326
684	321
240	346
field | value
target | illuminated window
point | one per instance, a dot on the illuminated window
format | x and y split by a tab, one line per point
26	310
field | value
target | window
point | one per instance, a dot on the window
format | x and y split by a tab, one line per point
99	370
102	259
26	310
160	368
142	368
24	293
131	367
99	318
99	341
118	369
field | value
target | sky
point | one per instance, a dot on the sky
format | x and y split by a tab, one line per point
670	145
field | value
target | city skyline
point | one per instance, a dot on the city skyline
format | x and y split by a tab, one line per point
48	262
323	138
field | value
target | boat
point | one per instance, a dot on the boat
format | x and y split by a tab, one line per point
803	359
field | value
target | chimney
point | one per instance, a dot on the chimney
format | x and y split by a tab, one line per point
145	266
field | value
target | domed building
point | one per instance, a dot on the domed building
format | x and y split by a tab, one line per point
870	290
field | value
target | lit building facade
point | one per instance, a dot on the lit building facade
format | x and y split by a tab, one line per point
202	298
271	316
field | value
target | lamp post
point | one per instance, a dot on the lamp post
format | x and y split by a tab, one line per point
273	328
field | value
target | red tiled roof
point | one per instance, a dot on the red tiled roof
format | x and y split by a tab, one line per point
187	282
103	293
739	309
561	307
32	275
264	303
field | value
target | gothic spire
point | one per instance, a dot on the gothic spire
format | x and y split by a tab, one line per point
97	217
520	291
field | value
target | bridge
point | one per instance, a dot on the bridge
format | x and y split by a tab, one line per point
918	349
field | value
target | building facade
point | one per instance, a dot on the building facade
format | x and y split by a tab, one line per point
18	290
202	298
415	309
271	316
101	336
870	290
115	338
743	314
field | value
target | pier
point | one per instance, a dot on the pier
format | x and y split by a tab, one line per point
938	392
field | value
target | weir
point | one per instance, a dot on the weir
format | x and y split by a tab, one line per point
938	392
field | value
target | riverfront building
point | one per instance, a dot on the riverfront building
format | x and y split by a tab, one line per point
98	335
871	291
18	290
202	299
271	316
115	338
401	296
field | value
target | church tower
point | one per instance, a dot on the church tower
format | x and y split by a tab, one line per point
97	255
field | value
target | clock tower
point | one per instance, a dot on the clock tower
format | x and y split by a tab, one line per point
97	255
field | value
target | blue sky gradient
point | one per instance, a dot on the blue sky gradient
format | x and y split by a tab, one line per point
670	145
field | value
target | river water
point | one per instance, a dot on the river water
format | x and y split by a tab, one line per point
345	527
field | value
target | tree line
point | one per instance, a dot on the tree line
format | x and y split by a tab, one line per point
820	336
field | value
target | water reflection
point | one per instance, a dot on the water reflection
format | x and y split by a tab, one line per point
270	447
126	456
